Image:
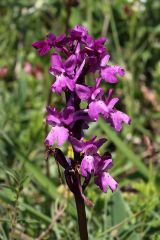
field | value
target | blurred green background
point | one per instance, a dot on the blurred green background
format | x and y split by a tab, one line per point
31	197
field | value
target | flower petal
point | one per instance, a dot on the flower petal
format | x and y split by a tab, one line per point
118	118
97	93
51	38
56	64
62	82
76	144
53	117
79	32
90	149
87	165
100	142
79	70
103	164
97	107
105	60
61	40
70	84
83	92
42	46
109	74
105	180
67	115
70	64
59	134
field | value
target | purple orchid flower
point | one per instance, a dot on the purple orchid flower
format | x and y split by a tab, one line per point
62	123
93	163
106	108
109	73
79	33
58	131
63	71
66	72
87	93
75	56
44	46
101	177
89	150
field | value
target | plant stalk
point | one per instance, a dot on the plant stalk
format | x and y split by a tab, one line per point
82	220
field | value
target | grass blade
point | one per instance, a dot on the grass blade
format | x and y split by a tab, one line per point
125	150
27	208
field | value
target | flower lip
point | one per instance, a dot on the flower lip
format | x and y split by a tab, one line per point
57	133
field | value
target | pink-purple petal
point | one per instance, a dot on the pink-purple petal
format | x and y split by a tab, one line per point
109	73
83	92
87	165
76	144
58	134
42	46
105	60
118	118
70	64
56	62
52	119
104	180
79	70
68	115
95	108
97	93
61	83
100	142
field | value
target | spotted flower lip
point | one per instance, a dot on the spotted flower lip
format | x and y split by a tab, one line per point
73	57
89	149
58	132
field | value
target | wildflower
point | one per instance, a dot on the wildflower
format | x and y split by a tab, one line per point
62	124
109	73
44	46
75	56
107	108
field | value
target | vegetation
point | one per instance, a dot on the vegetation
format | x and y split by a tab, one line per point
34	200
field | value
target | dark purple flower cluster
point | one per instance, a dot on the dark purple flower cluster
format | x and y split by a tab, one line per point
74	57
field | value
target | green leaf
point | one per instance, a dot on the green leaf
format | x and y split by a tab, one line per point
9	193
25	181
119	214
134	236
119	208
